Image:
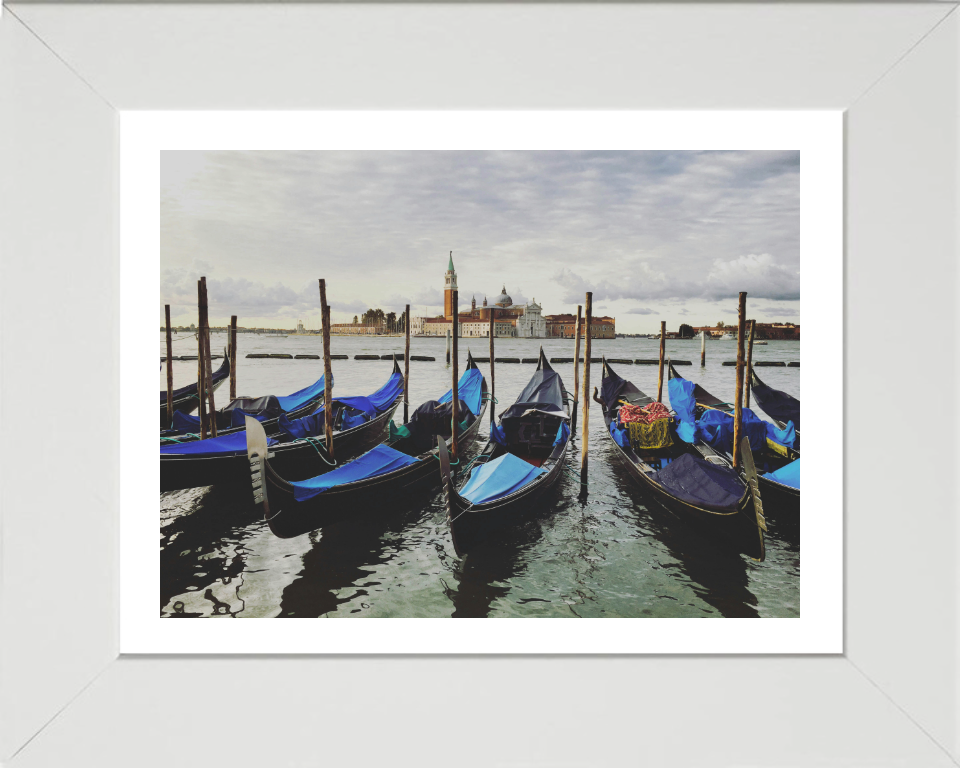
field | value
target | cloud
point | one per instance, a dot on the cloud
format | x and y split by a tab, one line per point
757	274
641	226
642	311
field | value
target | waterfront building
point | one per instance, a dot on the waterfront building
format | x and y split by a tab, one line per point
762	331
564	326
358	329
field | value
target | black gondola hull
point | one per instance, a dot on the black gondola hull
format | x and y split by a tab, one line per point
737	531
289	517
189	402
784	501
472	525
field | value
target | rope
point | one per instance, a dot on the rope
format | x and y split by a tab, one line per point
452	463
461	514
175	440
313	442
574	474
183	338
487	397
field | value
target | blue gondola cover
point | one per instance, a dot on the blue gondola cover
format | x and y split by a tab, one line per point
787	475
469	389
786	436
499	478
698	482
619	435
302	397
381	399
377	461
683	402
716	429
497	435
563	434
235	442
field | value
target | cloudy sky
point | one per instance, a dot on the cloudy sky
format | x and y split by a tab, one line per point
655	235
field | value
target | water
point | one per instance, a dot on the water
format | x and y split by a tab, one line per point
610	552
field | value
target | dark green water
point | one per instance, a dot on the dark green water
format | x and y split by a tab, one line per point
607	551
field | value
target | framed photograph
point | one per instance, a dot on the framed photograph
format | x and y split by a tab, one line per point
101	175
708	559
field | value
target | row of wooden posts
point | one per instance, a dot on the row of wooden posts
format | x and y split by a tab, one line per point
208	409
205	375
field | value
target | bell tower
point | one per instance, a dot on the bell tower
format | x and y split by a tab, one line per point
449	285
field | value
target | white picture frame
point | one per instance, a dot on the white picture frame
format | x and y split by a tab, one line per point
889	699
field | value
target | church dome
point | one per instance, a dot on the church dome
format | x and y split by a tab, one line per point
503	300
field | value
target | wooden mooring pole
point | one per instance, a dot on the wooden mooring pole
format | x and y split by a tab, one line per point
201	387
406	365
327	375
448	345
166	312
703	348
746	375
663	348
738	403
493	399
208	360
233	358
576	364
455	401
585	429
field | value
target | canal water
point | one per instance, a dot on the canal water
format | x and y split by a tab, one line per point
609	551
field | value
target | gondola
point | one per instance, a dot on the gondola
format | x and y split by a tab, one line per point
776	451
696	485
299	444
185	399
404	463
267	409
520	464
778	405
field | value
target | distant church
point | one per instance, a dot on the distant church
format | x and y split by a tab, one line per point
510	320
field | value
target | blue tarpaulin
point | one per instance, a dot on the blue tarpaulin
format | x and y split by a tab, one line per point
497	435
184	422
349	421
383	398
304	396
682	401
787	475
499	478
378	461
619	435
698	482
235	442
786	436
468	389
716	429
563	434
308	426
